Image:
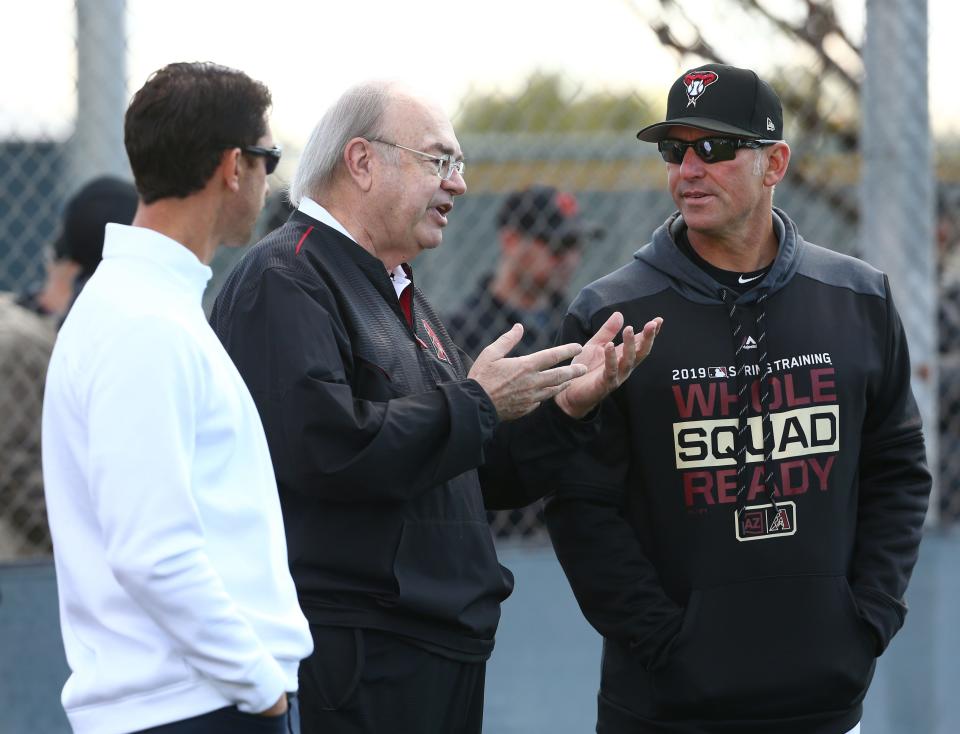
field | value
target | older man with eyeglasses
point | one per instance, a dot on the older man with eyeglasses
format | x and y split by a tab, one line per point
388	444
743	529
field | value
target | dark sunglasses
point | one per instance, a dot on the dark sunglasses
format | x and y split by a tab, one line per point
271	155
709	150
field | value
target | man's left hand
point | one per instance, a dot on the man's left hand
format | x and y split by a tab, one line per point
607	366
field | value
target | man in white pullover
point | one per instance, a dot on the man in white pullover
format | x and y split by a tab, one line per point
177	609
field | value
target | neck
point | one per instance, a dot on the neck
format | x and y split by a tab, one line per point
350	213
745	251
191	222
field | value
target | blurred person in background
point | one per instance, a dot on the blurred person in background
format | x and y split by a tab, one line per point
276	212
78	248
948	338
178	611
743	530
540	235
26	340
27	333
387	441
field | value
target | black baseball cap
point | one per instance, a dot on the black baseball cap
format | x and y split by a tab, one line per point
102	200
548	214
721	99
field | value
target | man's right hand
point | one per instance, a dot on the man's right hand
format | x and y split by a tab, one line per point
517	385
278	709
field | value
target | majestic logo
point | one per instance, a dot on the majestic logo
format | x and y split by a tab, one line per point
696	83
763	522
749	343
437	344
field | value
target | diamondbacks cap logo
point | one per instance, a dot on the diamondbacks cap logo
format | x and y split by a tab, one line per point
763	522
696	83
437	344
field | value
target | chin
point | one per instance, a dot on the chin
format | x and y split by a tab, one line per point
431	242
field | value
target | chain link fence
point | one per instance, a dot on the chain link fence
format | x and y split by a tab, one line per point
551	130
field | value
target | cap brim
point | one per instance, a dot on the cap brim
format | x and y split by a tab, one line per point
657	132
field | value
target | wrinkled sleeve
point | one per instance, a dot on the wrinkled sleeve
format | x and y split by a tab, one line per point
526	458
893	493
142	415
615	584
293	349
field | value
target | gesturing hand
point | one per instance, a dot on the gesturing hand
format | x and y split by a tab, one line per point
607	366
517	385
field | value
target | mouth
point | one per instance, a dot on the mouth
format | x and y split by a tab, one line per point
695	195
442	210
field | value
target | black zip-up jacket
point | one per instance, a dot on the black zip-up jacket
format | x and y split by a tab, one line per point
745	584
376	436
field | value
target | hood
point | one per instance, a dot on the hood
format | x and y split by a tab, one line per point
663	254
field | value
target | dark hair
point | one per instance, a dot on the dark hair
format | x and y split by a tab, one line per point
180	122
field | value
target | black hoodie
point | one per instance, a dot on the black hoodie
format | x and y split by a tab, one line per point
741	583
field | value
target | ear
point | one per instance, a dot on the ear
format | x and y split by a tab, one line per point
777	161
229	168
359	161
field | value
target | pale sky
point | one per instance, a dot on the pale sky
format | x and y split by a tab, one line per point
308	52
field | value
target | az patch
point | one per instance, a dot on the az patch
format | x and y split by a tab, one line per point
762	522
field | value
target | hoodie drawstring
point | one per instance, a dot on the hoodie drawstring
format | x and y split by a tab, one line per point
742	382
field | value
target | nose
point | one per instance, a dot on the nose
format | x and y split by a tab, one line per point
691	165
456	184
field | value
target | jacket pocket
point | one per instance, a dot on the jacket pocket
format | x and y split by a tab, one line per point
331	674
768	648
448	570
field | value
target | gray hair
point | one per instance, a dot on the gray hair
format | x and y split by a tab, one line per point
358	113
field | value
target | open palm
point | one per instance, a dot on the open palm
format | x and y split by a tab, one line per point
608	366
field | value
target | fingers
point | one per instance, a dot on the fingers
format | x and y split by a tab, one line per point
643	341
609	330
503	344
548	357
560	375
611	372
631	352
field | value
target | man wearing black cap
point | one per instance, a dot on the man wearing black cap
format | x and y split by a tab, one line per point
541	234
79	245
743	530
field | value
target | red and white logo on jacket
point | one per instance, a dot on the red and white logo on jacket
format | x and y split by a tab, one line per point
437	344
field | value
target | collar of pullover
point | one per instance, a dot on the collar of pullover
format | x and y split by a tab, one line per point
696	284
124	242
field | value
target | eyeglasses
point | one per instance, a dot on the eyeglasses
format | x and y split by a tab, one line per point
271	155
445	163
709	150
